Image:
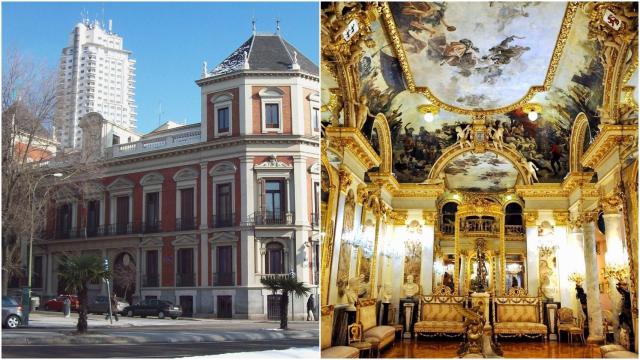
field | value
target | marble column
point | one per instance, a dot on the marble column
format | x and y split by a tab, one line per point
593	293
564	255
464	257
533	282
333	296
616	255
426	276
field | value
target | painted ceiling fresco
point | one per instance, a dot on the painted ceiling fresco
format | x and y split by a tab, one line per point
484	172
417	144
478	54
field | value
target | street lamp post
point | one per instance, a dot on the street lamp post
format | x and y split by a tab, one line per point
27	306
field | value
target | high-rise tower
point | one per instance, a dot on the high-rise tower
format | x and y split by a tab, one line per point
95	75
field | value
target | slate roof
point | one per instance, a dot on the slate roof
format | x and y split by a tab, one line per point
266	52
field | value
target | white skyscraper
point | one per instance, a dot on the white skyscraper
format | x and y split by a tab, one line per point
95	75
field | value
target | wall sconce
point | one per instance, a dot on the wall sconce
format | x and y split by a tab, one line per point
532	110
576	278
514	268
618	272
546	239
428	112
391	250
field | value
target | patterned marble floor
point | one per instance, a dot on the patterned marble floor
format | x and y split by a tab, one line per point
446	348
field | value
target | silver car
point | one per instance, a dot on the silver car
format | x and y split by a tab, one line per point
100	305
11	313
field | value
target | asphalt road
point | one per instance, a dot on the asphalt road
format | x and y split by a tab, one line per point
157	350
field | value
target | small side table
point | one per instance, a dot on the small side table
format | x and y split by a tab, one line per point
362	346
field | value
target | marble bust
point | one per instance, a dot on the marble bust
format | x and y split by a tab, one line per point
410	289
352	293
385	292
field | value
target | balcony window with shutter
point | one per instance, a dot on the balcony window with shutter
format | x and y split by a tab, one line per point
274	205
152	212
185	267
64	221
223	120
187	220
151	278
224	266
223	205
93	217
122	214
272	113
274	259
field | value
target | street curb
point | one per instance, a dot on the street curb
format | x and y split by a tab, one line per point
94	339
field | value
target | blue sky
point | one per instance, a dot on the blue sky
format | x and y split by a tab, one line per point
169	41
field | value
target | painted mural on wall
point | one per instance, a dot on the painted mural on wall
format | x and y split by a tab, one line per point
484	172
344	258
478	54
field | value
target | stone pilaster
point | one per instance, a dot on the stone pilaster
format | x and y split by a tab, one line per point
533	282
591	265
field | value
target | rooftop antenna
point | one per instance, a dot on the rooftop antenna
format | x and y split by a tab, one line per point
277	26
160	112
253	25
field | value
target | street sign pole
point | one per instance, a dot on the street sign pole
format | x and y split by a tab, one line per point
106	268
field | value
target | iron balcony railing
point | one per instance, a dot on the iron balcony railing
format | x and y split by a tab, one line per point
224	278
223	220
271	218
185	279
150	280
514	230
184	224
152	226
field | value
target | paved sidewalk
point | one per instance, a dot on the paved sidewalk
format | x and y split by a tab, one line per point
54	329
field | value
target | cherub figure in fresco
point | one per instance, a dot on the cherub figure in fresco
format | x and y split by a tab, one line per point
421	16
497	137
531	170
463	136
503	53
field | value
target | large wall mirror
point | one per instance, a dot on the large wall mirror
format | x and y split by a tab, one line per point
515	272
443	268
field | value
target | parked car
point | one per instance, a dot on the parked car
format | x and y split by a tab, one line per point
57	304
100	305
154	307
11	313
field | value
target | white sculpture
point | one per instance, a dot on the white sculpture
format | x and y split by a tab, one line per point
463	136
295	57
410	289
385	292
352	293
496	136
531	170
205	73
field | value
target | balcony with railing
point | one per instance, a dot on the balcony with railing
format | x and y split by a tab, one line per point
152	226
260	218
150	280
185	224
223	220
514	231
179	138
224	279
185	279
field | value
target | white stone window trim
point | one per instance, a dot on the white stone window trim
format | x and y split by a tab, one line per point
185	179
314	103
224	239
224	292
271	95
220	102
194	298
185	242
223	173
286	261
151	244
150	189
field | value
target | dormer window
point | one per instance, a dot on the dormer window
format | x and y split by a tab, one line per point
271	100
222	115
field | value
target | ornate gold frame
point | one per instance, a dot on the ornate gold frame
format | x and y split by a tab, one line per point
394	36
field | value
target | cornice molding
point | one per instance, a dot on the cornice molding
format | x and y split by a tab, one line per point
610	136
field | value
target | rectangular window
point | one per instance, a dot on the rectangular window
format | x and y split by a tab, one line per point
185	276
187	220
272	120
152	212
223	120
122	214
37	272
315	119
64	220
93	217
223	205
224	269
116	140
151	275
274	200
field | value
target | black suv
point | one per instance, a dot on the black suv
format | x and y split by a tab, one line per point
154	307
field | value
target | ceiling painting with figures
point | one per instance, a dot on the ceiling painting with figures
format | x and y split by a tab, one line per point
526	80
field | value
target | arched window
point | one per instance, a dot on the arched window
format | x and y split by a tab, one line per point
601	225
448	217
274	259
513	214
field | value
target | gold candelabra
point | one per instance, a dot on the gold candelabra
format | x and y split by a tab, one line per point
618	272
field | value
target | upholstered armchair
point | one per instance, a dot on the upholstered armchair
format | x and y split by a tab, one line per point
565	321
578	328
328	351
607	324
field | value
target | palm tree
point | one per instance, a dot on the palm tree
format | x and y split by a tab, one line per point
77	272
286	284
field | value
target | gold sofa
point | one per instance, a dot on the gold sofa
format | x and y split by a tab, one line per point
377	336
518	315
438	314
328	351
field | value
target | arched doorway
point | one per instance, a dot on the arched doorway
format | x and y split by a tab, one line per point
124	276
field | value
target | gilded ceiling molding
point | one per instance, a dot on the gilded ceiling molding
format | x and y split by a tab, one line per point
618	38
545	190
429	217
530	218
394	36
344	175
560	217
576	143
362	194
610	137
381	125
398	217
574	180
343	139
612	204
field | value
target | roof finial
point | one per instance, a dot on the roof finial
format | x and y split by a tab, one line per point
277	26
253	25
245	65
205	72
295	65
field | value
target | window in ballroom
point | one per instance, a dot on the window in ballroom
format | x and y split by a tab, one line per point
479	179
